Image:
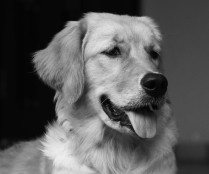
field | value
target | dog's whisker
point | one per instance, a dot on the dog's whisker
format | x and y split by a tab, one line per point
104	101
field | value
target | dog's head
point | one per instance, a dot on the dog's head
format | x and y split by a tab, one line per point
116	61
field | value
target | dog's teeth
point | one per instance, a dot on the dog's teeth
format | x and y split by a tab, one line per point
150	107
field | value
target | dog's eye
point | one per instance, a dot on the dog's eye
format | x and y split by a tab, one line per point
114	52
154	54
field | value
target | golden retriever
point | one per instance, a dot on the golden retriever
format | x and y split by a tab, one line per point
113	111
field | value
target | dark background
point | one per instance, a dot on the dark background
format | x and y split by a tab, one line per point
28	26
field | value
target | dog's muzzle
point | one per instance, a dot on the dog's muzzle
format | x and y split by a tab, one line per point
140	117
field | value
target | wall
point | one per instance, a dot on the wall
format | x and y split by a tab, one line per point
185	27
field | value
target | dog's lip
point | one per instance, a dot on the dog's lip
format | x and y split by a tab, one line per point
129	116
115	113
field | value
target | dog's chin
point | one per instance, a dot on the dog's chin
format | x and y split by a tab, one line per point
141	120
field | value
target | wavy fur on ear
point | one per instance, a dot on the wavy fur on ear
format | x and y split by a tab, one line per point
60	65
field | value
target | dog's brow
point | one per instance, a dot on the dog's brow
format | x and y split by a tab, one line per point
118	39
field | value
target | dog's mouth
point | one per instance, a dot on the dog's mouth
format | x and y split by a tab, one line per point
141	120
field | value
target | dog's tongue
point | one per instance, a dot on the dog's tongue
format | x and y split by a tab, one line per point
144	125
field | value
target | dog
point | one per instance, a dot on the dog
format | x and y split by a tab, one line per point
113	111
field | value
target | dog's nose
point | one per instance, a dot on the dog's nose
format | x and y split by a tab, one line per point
154	84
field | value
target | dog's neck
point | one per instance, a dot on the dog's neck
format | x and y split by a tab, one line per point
92	149
84	144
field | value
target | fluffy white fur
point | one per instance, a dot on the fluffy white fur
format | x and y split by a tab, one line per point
84	140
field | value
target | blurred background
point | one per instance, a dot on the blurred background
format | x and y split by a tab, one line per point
29	25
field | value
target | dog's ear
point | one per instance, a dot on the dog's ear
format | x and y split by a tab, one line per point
61	64
152	24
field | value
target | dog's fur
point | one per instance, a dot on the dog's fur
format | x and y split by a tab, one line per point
84	140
